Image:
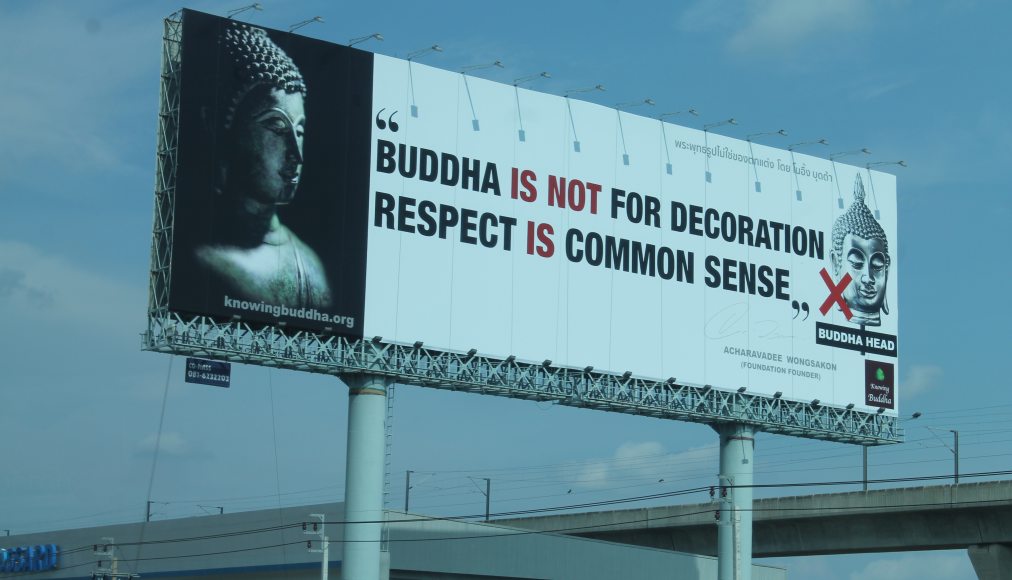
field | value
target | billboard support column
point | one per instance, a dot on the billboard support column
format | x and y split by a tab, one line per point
734	531
363	496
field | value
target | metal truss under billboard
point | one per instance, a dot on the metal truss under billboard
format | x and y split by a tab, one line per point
311	197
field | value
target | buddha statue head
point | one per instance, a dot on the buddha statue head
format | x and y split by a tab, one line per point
860	248
261	123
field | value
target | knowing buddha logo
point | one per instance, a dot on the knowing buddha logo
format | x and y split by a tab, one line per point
879	385
861	253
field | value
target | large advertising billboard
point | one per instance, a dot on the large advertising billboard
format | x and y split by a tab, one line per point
325	188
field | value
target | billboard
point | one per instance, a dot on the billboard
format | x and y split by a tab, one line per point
329	189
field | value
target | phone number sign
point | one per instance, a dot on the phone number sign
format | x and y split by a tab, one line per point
208	372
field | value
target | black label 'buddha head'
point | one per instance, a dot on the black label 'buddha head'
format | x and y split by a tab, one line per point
861	249
261	123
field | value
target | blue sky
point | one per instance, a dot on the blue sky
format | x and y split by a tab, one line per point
909	80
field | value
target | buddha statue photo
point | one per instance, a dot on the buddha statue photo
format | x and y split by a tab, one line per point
860	248
249	254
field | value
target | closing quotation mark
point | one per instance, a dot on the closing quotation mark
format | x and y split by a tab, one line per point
390	121
799	308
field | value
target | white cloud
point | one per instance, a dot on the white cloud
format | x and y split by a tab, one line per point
919	378
171	443
39	287
642	462
918	567
782	25
777	26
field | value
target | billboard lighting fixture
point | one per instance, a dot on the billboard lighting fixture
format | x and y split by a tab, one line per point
254	6
791	148
868	166
511	358
423	51
692	112
588	368
496	64
618	108
901	163
796	145
299	25
362	39
748	138
706	389
915	415
236	317
547	363
540	75
815	402
646	101
781	132
377	339
418	344
584	90
671	380
880	410
731	121
850	406
778	394
706	129
741	390
472	352
626	375
862	151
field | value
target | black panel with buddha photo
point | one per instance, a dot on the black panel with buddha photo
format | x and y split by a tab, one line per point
273	177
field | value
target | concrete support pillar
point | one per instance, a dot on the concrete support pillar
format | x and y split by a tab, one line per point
734	535
363	495
991	561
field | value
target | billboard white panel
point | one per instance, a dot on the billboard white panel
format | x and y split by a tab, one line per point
572	241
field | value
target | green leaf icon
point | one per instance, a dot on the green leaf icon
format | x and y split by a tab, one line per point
880	374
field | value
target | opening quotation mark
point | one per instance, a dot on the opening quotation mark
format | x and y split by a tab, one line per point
381	124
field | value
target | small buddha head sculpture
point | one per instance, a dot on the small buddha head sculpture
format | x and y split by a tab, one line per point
860	248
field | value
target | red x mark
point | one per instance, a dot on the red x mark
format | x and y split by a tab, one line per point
835	293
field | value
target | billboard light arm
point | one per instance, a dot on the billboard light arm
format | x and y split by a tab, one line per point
781	132
871	181
621	129
584	90
423	51
803	143
496	64
706	143
361	39
646	101
237	11
748	139
528	78
690	111
664	134
708	126
299	25
861	151
512	378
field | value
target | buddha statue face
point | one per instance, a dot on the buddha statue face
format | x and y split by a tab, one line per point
865	260
860	248
265	158
262	124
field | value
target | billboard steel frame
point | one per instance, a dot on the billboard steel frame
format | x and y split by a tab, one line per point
280	347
